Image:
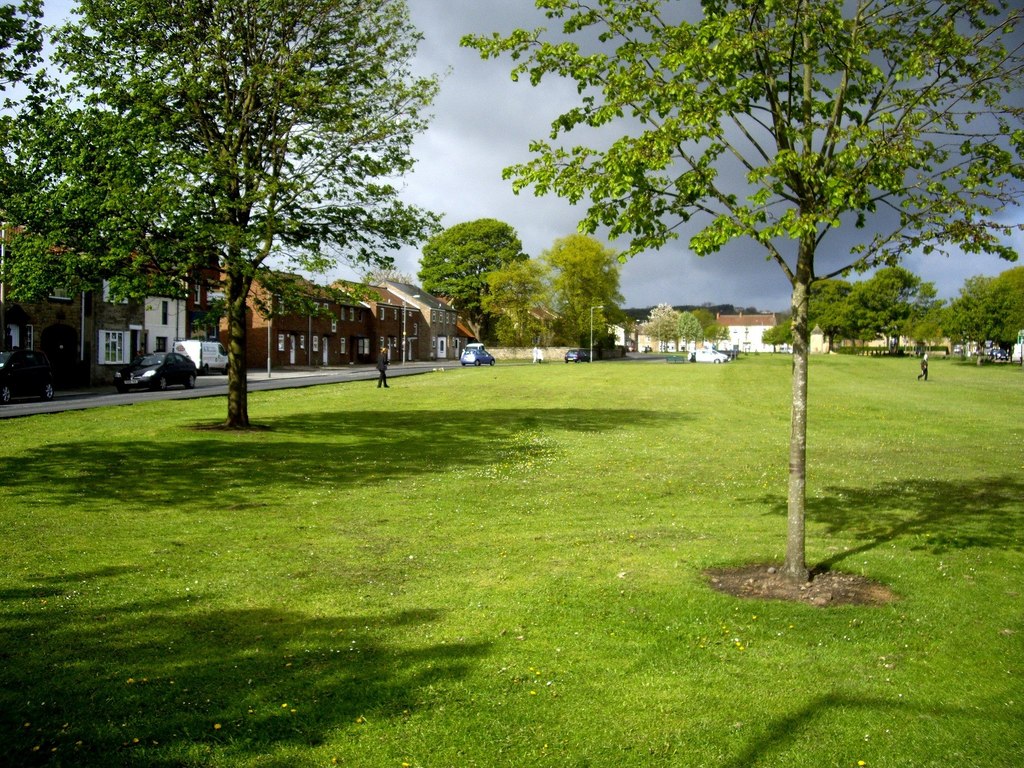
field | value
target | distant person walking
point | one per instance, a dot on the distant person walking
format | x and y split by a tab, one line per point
382	366
924	368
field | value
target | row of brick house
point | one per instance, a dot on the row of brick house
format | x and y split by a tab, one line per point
410	323
87	335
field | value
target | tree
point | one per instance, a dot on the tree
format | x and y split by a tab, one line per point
829	309
689	328
662	325
778	335
584	286
782	122
20	46
21	43
889	303
980	312
235	135
514	294
456	263
1013	279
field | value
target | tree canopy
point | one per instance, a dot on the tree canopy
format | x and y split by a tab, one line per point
237	135
781	122
516	293
456	263
584	286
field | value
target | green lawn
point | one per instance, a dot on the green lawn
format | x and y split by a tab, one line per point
503	567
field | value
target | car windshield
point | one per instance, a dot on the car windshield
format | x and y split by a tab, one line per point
4	357
144	361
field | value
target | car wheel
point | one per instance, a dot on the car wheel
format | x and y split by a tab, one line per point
47	393
476	363
492	362
190	381
160	383
5	394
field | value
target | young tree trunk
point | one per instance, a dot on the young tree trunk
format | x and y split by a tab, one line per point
795	568
238	386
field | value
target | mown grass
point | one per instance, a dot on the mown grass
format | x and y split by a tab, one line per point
503	567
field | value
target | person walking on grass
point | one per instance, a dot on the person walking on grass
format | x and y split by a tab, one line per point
924	368
382	366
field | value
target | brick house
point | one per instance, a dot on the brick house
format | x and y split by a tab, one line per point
326	331
399	323
435	333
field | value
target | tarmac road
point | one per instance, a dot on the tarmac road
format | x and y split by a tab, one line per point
214	386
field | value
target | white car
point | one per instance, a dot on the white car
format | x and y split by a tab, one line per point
708	355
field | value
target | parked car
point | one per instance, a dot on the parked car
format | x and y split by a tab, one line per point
998	355
577	356
207	355
708	355
25	373
476	355
156	371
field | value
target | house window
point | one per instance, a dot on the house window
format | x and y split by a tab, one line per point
302	341
160	345
364	345
334	325
197	293
60	294
316	343
106	294
164	312
30	337
113	348
343	345
280	342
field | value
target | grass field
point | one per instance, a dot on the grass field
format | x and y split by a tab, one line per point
503	567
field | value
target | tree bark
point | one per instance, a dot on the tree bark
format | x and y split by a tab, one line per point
238	392
795	568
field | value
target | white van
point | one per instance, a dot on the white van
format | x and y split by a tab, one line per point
709	355
207	355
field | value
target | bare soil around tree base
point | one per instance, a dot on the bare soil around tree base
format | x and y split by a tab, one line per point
765	581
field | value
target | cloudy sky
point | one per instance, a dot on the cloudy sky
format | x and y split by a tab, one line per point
484	122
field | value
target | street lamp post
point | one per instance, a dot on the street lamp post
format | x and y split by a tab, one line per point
599	306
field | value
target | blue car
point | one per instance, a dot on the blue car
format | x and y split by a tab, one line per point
477	356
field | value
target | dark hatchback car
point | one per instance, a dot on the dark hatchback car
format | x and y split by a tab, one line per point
25	373
577	356
157	370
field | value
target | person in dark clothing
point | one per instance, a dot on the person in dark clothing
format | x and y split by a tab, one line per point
382	366
924	368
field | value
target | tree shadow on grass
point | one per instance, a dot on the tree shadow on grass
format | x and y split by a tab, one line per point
334	450
935	516
786	731
172	682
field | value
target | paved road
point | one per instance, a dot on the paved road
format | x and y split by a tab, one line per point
214	386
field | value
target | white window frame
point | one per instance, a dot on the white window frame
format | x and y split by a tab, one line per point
113	347
280	342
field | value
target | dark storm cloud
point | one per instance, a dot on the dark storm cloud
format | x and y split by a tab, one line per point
484	123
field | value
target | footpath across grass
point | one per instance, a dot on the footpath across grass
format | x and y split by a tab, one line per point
504	567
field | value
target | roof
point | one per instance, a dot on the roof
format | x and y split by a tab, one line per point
768	321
